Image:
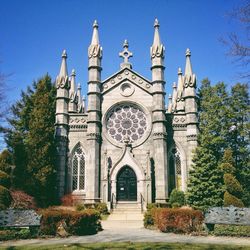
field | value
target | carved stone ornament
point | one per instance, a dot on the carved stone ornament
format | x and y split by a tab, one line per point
94	136
159	135
95	50
157	51
62	82
192	137
190	81
77	120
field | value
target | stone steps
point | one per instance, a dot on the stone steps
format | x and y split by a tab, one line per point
125	215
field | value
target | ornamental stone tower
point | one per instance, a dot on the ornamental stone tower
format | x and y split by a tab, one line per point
159	117
62	122
125	145
94	118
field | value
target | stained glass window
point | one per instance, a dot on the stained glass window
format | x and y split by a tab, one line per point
78	169
126	121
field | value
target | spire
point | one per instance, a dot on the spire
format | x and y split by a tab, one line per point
157	40
157	49
84	104
95	35
95	49
126	54
169	103
189	77
188	69
79	98
62	78
72	82
180	85
174	100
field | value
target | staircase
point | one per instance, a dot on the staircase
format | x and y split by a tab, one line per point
124	215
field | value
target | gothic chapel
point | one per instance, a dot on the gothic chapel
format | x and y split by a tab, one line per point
125	145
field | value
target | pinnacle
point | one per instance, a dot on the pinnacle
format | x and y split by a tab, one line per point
156	23
73	72
174	85
125	44
188	52
64	54
79	86
169	96
179	71
95	24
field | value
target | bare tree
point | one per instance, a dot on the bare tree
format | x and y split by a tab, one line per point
239	43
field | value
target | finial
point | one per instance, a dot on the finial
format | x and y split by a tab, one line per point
73	72
64	54
79	86
156	23
174	85
179	71
95	24
188	52
125	44
170	97
126	54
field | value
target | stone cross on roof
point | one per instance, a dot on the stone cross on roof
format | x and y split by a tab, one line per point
126	54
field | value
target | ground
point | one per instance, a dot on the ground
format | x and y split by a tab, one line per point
115	239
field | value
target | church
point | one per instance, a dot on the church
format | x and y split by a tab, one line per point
125	144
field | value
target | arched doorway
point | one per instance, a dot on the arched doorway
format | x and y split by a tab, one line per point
126	187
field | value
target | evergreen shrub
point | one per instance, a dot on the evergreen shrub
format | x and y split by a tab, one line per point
231	200
233	185
77	222
5	198
231	230
4	179
178	220
177	198
149	217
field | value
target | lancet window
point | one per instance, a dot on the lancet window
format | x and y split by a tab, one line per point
78	169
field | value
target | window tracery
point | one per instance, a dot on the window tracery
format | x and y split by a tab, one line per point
78	169
126	121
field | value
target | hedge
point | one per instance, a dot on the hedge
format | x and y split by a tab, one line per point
5	198
177	220
76	222
177	198
4	179
231	200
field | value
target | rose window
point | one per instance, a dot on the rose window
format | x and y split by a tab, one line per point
126	122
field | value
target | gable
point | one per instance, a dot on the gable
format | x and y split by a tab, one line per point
126	75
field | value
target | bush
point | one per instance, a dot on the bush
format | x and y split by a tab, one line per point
102	208
231	230
178	220
14	234
80	207
4	179
21	200
231	200
227	168
177	197
76	222
158	205
67	200
233	185
149	217
5	198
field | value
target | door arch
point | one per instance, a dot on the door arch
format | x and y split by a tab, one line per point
126	185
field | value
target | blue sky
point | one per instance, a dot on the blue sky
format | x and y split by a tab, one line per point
34	33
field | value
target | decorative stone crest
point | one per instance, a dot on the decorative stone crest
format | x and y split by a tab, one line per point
126	54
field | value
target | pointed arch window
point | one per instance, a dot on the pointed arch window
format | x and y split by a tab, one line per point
175	173
78	169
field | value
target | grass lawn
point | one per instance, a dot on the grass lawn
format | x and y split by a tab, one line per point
136	246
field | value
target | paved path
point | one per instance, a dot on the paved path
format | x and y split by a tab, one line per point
132	235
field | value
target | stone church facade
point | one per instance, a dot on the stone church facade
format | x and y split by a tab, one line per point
126	144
